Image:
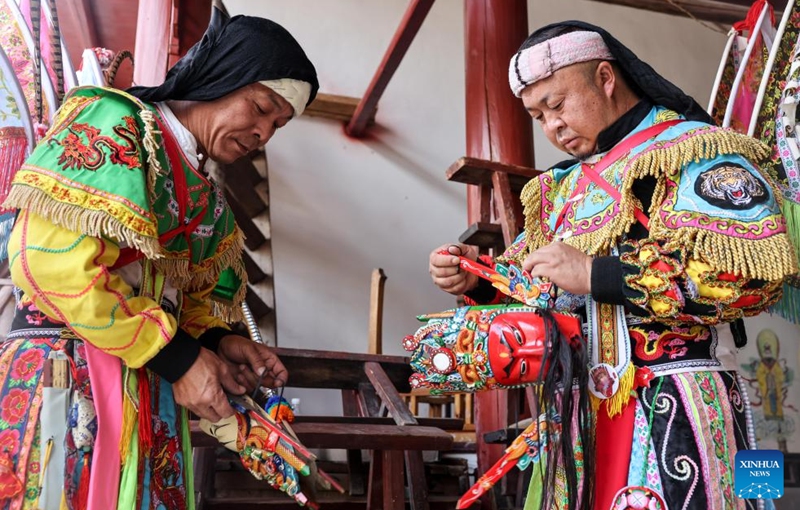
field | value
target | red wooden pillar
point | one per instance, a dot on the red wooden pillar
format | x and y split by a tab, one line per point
498	129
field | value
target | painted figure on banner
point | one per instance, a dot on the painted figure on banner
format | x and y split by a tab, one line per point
771	378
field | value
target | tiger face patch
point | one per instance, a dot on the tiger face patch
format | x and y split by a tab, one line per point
730	186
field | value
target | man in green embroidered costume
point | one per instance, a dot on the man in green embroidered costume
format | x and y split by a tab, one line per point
662	233
119	242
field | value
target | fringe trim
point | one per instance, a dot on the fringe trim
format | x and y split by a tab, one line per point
531	198
789	305
129	420
616	404
78	219
181	274
791	211
764	259
151	147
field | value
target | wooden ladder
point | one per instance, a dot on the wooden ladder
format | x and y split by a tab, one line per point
501	217
246	187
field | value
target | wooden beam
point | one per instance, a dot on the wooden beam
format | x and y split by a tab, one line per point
333	107
509	210
389	395
724	12
484	235
412	20
357	482
479	172
188	26
497	129
394	497
371	437
351	436
376	312
439	423
339	370
417	481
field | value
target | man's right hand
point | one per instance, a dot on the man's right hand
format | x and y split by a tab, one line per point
202	388
446	271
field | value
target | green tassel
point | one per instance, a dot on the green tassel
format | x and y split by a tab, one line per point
791	211
789	305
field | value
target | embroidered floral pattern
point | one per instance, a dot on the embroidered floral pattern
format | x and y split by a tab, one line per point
28	365
14	405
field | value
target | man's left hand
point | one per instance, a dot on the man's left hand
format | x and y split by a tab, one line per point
248	359
568	268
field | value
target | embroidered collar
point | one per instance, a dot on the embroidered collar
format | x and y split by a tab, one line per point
629	121
184	137
614	133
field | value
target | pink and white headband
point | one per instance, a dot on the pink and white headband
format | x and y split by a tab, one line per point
541	60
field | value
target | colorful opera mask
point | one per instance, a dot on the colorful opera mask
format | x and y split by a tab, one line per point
270	450
483	347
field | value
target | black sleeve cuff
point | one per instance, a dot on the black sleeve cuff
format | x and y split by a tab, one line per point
607	281
176	357
212	337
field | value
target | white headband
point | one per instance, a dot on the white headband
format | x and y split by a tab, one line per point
541	60
296	92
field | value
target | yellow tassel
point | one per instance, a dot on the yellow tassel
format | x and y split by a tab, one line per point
48	450
596	402
622	397
129	419
95	223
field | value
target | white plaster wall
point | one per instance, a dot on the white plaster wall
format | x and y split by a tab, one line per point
341	207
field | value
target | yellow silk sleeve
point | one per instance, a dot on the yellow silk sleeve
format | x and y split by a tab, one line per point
67	276
195	316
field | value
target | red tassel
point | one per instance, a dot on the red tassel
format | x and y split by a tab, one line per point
145	413
749	23
13	147
82	496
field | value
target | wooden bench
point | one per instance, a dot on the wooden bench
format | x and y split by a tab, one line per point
370	385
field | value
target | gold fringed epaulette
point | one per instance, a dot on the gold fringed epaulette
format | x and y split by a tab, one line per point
751	249
95	188
739	247
707	142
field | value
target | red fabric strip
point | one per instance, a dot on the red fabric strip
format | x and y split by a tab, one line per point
612	157
613	443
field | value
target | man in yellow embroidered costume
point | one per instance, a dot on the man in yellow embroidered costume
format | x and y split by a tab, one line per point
119	241
663	233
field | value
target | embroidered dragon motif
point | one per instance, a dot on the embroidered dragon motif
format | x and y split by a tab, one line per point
652	345
90	154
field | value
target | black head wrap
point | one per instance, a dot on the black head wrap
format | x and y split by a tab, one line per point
234	52
642	78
